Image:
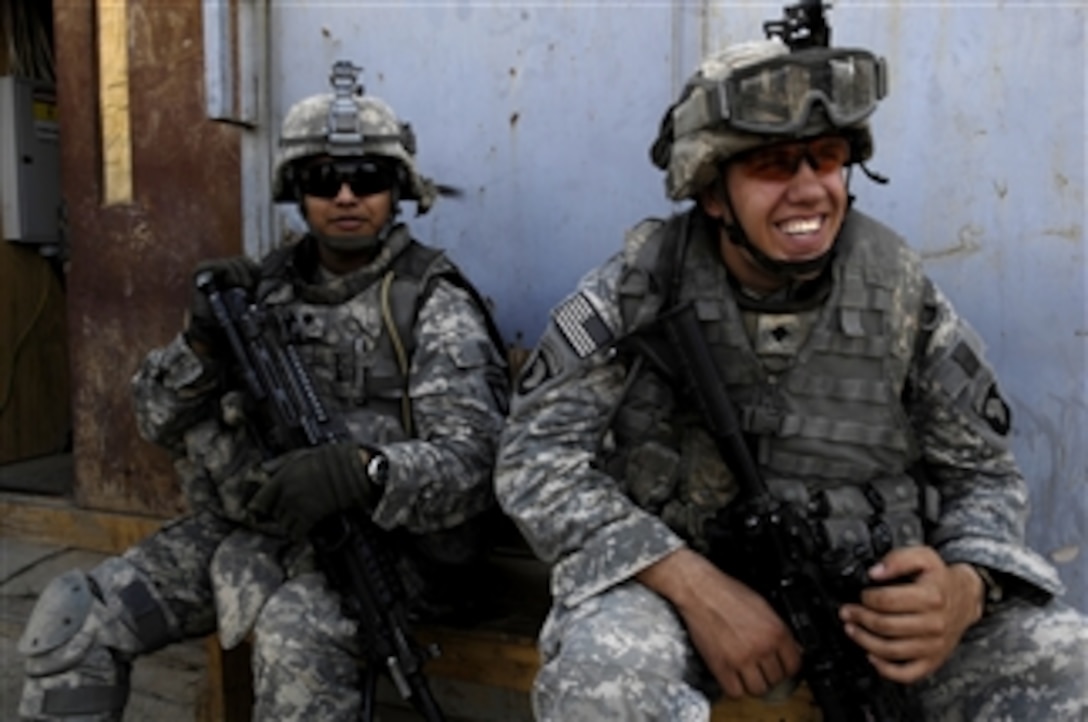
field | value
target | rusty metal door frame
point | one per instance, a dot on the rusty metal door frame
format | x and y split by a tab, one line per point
236	72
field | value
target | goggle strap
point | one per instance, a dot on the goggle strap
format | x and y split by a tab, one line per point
703	108
334	146
324	139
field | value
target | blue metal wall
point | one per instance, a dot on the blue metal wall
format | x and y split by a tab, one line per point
543	113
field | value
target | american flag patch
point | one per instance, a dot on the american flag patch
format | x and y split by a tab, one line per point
581	325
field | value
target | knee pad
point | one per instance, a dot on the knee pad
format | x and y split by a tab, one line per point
80	639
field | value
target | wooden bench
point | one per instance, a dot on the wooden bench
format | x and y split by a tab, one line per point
502	660
500	654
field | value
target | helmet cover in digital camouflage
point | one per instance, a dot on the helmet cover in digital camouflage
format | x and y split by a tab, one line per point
309	130
696	137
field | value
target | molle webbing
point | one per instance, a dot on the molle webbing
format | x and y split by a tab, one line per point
877	516
833	413
376	377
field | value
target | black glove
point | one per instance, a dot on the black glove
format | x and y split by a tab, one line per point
308	485
236	272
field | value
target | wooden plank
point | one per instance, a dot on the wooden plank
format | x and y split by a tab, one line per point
229	692
798	707
511	662
57	521
481	656
113	89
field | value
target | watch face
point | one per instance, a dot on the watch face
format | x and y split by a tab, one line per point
378	469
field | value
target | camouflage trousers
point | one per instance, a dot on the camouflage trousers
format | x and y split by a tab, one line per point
625	655
305	654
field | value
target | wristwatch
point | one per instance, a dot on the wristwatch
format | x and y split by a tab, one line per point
992	592
377	469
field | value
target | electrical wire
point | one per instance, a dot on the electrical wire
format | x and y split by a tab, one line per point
28	50
17	347
28	39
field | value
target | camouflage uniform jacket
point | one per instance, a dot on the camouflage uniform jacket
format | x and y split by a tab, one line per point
440	471
598	528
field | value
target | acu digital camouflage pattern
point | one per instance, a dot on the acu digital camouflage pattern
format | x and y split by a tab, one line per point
127	617
219	559
624	654
456	386
614	651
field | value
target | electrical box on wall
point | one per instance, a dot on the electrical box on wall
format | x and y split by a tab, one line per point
29	162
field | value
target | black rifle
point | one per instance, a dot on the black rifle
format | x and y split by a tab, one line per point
769	545
349	547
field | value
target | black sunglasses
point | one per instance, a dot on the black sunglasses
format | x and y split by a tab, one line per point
364	177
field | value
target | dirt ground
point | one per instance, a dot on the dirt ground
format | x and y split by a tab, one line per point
166	686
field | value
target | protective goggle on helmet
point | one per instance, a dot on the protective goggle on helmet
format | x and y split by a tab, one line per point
777	96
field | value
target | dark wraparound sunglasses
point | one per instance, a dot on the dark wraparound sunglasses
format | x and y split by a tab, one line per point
364	177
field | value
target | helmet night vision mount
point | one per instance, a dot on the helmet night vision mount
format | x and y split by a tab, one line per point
802	26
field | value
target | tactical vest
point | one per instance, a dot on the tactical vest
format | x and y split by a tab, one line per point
830	417
356	334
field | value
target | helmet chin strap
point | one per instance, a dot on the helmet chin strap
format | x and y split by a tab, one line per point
784	270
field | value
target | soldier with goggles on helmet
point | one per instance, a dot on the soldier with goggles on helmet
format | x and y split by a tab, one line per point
400	346
851	373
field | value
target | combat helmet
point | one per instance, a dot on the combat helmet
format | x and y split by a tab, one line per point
790	85
348	123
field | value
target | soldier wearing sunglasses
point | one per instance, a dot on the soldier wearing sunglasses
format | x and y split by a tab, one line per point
865	400
400	346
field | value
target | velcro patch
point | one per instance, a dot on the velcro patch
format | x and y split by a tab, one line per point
541	367
996	412
582	327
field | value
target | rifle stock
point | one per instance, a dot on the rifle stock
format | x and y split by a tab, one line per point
349	547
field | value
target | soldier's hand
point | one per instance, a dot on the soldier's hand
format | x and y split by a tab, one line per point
307	485
202	330
913	622
740	637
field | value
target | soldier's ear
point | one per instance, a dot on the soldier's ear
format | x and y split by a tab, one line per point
712	199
